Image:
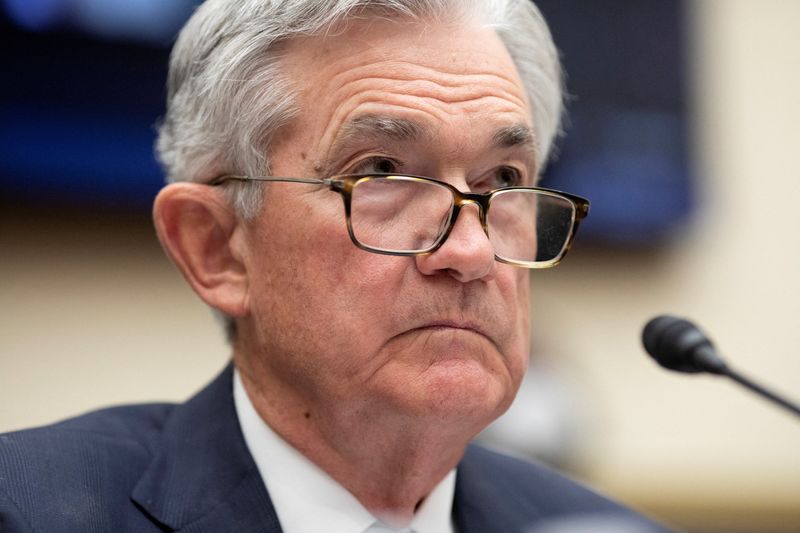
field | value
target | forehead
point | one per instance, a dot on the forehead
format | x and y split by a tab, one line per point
441	75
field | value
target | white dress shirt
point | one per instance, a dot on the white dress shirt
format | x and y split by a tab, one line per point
308	500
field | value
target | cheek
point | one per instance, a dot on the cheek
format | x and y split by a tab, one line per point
518	297
298	249
310	277
524	302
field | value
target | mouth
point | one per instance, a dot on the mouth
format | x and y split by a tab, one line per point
453	327
445	325
456	339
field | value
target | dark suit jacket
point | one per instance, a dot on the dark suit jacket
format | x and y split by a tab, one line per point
164	467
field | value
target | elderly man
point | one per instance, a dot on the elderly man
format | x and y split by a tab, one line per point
353	191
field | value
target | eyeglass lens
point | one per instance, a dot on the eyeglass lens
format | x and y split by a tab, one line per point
407	215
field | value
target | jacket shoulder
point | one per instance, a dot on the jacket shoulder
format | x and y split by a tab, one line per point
518	473
79	466
503	493
552	490
128	426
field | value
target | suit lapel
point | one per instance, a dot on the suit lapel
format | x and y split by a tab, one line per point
202	477
483	503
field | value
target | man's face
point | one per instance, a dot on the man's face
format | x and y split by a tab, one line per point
344	331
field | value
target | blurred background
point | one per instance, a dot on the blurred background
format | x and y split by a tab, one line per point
684	132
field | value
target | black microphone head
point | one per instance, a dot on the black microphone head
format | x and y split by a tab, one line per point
674	343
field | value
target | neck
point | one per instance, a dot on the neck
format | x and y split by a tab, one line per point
389	462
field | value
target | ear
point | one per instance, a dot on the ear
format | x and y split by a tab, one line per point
199	230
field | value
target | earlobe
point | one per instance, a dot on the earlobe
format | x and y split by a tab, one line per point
198	229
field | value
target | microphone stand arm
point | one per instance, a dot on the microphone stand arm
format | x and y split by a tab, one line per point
758	389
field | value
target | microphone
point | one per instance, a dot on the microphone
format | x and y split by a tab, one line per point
677	344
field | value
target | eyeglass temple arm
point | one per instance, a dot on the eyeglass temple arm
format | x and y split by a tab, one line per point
313	181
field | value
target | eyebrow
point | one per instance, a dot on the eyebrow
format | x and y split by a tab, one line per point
404	130
372	127
395	128
518	135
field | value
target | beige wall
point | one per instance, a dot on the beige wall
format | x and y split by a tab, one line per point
669	439
92	314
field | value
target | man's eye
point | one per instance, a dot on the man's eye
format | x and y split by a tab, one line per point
376	165
507	177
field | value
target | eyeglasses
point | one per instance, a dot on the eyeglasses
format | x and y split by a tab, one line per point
529	227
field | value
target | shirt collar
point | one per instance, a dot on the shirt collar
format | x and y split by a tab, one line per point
308	499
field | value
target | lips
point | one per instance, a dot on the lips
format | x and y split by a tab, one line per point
453	325
470	308
445	325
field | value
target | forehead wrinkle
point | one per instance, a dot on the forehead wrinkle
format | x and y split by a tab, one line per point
413	79
375	88
350	83
362	92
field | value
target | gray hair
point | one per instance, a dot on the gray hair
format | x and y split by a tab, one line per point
227	97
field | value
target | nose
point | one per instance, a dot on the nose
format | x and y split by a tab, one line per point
466	255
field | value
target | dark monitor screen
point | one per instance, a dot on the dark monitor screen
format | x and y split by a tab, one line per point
84	87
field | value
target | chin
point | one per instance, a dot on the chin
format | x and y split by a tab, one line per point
464	390
449	378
